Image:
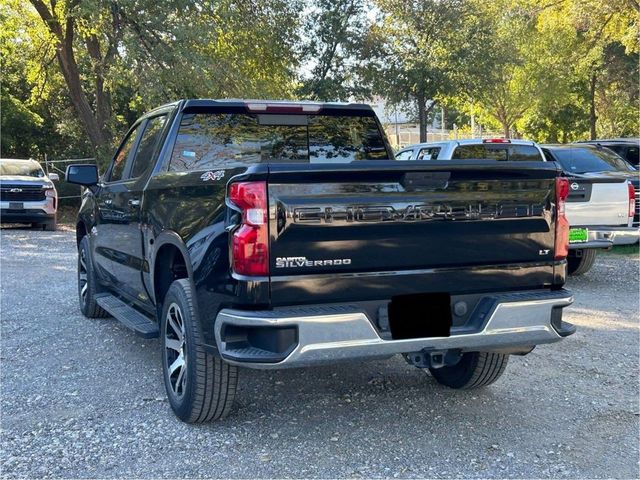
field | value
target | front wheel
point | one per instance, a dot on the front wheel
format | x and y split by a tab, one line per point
88	286
580	261
474	370
50	225
200	385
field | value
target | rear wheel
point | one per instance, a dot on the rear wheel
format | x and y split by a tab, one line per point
88	286
580	261
200	385
474	370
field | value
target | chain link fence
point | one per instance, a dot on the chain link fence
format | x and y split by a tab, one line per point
68	194
404	134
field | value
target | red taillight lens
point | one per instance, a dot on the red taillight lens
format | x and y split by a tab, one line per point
496	140
562	224
632	199
250	242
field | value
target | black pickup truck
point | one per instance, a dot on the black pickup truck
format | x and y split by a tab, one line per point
270	235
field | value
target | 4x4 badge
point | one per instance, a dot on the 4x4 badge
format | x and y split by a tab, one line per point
212	175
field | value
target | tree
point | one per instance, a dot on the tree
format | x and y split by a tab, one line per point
427	45
552	74
333	50
117	55
609	33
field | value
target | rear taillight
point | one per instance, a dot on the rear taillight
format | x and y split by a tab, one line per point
562	224
496	140
632	199
250	241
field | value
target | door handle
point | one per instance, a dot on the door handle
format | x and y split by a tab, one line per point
134	202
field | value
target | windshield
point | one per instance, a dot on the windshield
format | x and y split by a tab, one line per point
26	169
585	160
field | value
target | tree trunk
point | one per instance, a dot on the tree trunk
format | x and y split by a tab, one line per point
80	102
592	106
506	129
422	117
64	35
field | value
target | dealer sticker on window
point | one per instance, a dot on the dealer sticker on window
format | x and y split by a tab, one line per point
578	235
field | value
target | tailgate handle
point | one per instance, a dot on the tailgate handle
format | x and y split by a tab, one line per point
425	180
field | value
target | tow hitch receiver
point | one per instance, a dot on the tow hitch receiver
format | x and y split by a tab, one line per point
433	358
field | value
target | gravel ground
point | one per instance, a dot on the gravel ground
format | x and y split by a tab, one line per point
84	398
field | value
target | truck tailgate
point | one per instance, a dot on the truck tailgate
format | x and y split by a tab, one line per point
597	200
371	219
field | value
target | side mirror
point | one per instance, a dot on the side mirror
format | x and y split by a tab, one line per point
54	177
82	174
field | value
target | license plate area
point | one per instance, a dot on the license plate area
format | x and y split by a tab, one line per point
420	315
578	235
16	206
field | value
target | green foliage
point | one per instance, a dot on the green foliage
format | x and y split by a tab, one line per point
89	68
19	128
334	49
76	76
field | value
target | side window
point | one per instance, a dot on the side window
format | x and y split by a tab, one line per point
120	160
633	155
147	146
548	155
430	153
406	155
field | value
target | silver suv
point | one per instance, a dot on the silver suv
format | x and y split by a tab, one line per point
27	194
474	148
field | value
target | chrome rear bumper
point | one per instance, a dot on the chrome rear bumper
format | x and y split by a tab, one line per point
321	334
606	237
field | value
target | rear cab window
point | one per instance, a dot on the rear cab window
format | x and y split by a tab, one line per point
498	151
230	140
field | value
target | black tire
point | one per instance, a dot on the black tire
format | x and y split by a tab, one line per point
580	261
51	225
88	286
200	386
474	370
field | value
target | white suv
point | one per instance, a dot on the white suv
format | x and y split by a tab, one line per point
27	195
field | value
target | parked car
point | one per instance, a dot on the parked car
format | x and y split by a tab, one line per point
27	194
627	148
270	235
473	148
601	204
597	207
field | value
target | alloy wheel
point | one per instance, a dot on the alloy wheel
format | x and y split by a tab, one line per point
176	352
83	282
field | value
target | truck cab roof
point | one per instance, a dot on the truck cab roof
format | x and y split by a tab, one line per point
266	105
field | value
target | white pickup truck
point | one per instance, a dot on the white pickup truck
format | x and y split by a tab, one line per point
601	203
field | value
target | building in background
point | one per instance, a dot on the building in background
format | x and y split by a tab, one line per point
402	130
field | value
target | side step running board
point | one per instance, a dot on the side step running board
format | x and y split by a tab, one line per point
129	316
